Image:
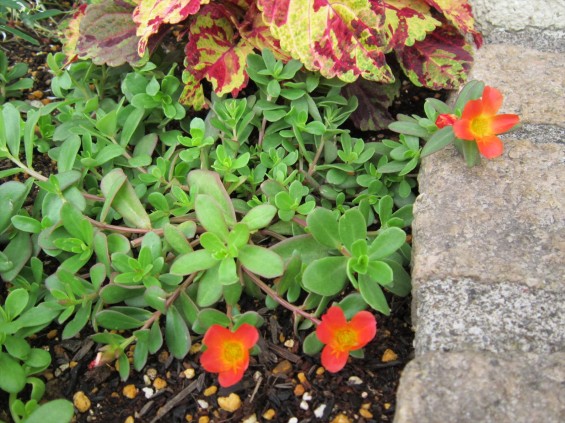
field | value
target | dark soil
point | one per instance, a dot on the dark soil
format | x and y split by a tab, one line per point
281	383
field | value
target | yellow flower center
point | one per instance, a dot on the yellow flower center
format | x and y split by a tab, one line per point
345	339
233	353
480	126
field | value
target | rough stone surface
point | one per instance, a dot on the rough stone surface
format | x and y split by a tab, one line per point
503	220
470	387
542	40
499	317
532	81
517	15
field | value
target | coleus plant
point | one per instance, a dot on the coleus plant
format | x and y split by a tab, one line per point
346	39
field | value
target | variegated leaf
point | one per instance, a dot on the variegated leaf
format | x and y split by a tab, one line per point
258	34
216	52
71	32
340	38
374	100
407	21
192	94
441	61
459	13
149	15
107	34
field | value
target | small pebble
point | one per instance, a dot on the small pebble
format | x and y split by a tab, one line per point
159	383
146	380
341	418
386	405
269	414
354	380
148	392
73	364
364	394
114	395
389	355
320	371
52	334
203	404
366	413
163	357
282	368
129	391
81	402
211	390
302	377
289	343
230	403
319	411
299	390
251	419
189	373
129	419
304	405
293	420
188	418
151	373
307	396
203	419
195	348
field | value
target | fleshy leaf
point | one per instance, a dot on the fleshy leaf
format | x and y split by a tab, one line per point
407	21
215	53
441	61
459	13
342	39
374	100
107	34
149	15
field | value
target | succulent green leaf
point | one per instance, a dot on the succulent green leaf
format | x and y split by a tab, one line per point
56	411
177	335
194	261
387	242
261	261
208	317
373	294
352	227
13	377
312	344
209	183
326	276
323	226
259	217
112	319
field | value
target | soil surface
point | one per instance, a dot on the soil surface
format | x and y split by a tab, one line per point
281	385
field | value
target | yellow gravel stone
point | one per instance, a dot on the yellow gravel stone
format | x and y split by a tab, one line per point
159	383
320	371
52	334
189	373
211	390
129	419
129	391
203	419
341	418
73	364
386	405
195	348
299	390
230	403
81	401
302	377
366	413
269	414
189	418
282	368
389	355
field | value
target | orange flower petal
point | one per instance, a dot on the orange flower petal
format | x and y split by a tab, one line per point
216	335
490	147
211	360
492	100
332	360
503	123
472	109
331	321
365	324
246	334
231	377
462	129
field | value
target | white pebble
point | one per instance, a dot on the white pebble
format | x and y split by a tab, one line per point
202	404
364	394
304	405
251	419
354	380
293	420
146	380
148	392
289	343
307	396
319	412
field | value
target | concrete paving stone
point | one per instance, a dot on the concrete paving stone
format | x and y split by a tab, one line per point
503	220
538	39
517	15
501	317
532	81
470	387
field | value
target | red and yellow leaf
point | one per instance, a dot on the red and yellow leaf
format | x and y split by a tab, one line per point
341	39
107	34
407	21
441	61
459	13
149	15
71	32
216	52
254	30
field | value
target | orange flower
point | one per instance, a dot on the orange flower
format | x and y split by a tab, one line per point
227	353
445	119
341	337
479	122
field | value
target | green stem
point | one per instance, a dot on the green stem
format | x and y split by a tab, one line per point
312	166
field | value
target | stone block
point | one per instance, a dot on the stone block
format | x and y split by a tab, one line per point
532	81
516	15
470	387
